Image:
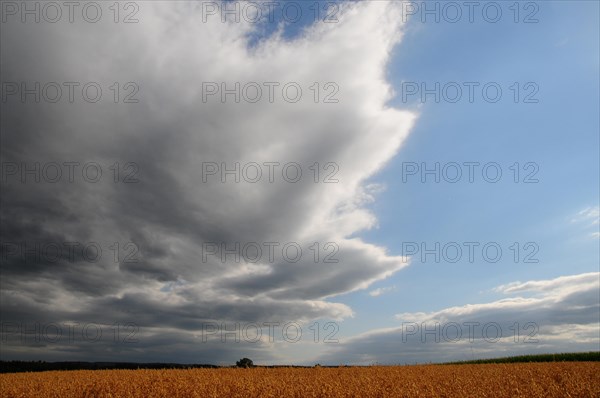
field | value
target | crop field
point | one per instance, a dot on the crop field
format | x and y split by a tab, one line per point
557	379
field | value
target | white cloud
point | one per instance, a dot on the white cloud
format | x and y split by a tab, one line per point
588	218
381	290
564	317
589	215
558	286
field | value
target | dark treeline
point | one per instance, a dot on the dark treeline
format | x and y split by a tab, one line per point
563	357
39	366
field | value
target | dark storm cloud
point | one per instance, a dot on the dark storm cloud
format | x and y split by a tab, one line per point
140	226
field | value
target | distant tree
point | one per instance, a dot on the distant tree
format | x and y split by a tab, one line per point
244	363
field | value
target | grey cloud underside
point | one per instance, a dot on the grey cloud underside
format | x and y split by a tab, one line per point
170	212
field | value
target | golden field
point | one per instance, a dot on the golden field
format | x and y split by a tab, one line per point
556	379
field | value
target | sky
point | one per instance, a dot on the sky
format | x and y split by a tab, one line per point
298	183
